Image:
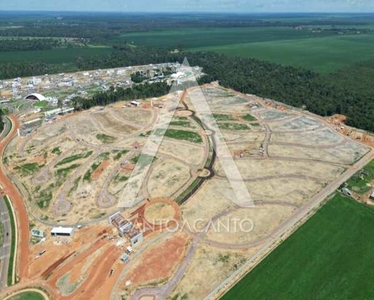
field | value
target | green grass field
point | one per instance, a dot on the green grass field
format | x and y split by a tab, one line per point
56	56
325	54
329	257
28	296
206	37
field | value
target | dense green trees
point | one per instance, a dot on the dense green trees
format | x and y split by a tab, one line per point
141	91
349	92
29	44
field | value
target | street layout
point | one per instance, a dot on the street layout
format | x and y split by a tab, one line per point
162	292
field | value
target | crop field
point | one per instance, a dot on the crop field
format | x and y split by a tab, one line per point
205	37
323	54
336	231
55	56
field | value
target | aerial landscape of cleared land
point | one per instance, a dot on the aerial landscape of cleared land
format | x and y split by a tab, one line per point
72	170
186	156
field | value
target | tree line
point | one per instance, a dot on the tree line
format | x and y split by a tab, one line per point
349	91
29	44
141	91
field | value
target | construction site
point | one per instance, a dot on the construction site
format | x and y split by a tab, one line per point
71	172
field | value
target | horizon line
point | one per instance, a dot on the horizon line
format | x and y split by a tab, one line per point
182	12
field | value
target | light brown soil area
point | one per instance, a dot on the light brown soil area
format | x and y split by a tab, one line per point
159	212
97	173
158	263
183	113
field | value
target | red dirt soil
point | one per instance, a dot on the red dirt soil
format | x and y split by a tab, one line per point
158	263
97	173
19	208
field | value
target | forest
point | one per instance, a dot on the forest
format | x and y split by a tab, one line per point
29	44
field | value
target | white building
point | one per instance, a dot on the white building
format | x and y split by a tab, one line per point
35	96
62	231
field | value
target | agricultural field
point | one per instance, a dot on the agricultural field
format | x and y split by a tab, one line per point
322	54
191	38
308	253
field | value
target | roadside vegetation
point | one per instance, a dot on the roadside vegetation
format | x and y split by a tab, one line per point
11	275
330	250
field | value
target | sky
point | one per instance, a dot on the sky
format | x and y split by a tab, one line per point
243	6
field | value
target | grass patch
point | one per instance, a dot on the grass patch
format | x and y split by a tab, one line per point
180	123
72	158
222	117
329	257
189	136
119	154
360	182
75	185
27	296
13	241
43	103
56	150
233	126
105	139
87	175
62	173
248	117
177	134
28	169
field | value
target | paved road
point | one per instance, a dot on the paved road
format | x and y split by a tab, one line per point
5	249
7	127
4	218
